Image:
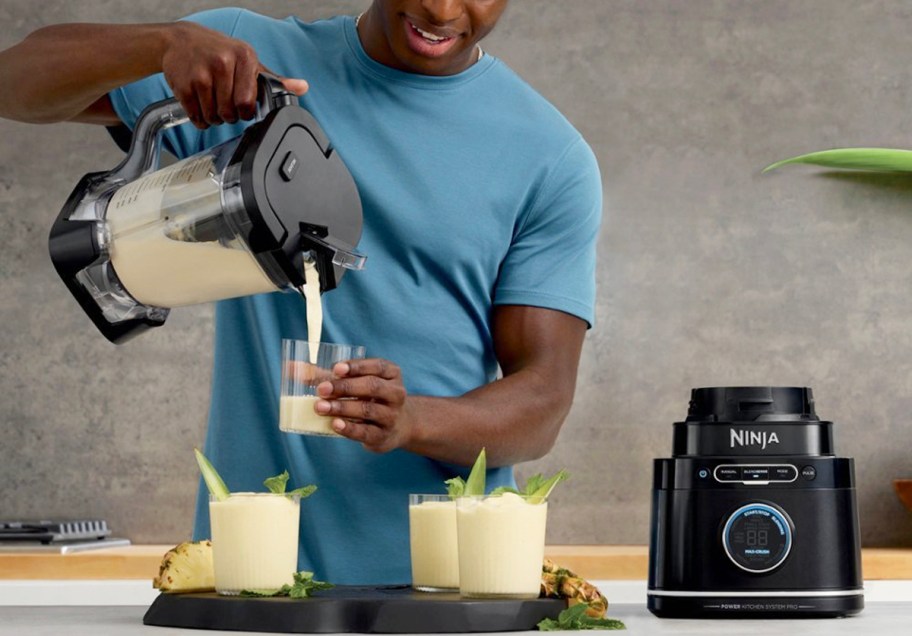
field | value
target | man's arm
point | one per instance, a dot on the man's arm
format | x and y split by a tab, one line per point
516	418
64	72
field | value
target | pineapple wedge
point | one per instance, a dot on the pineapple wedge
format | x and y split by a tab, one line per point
559	582
186	568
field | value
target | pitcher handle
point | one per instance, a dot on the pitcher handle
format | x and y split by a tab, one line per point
145	147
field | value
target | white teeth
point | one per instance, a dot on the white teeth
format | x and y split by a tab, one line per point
429	36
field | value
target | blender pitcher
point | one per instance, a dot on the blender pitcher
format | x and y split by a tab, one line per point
240	218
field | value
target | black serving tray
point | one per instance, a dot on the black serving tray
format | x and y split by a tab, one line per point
347	609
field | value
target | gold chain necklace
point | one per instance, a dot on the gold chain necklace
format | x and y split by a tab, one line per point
480	52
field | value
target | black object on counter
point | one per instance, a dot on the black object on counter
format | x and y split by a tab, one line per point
754	515
348	609
54	531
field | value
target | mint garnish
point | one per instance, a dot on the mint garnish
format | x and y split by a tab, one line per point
575	618
276	485
304	586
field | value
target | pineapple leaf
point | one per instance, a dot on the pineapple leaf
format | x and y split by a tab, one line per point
214	483
475	484
874	159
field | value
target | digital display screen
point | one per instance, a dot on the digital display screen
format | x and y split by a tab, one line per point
757	537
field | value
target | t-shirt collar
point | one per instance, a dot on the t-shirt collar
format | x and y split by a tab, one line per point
370	65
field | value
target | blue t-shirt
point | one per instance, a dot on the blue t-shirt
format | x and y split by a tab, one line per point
476	192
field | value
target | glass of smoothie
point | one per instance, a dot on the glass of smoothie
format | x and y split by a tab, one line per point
433	542
304	365
254	541
501	545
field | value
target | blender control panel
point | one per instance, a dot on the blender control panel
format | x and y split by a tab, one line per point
760	474
757	537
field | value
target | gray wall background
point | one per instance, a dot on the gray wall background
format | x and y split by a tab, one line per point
709	274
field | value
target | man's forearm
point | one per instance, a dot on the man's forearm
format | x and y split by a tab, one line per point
57	72
516	419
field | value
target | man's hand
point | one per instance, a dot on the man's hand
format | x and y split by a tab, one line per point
516	418
368	403
213	76
62	72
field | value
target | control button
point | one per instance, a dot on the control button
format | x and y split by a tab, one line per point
703	473
784	473
757	537
809	473
755	473
289	166
728	473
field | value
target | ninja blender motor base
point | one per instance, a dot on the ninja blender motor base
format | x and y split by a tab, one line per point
344	609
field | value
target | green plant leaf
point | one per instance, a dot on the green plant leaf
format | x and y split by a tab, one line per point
475	484
504	489
214	483
873	159
533	483
279	483
304	586
575	618
543	488
303	491
455	487
276	485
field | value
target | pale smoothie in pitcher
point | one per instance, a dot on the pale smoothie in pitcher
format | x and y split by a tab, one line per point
433	541
254	541
501	545
153	251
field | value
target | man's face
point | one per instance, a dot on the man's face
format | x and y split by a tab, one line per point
430	37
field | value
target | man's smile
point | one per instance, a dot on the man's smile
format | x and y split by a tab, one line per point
429	41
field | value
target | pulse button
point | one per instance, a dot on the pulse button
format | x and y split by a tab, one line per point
809	473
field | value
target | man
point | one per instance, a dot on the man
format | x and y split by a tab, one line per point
481	208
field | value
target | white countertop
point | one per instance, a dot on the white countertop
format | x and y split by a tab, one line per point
140	592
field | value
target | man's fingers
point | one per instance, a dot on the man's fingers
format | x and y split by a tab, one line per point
225	107
362	410
368	366
205	93
245	84
372	437
194	110
295	85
